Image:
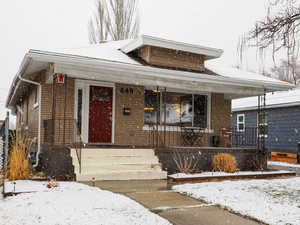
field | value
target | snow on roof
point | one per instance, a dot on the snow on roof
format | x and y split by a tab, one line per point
105	51
146	40
112	51
273	100
240	74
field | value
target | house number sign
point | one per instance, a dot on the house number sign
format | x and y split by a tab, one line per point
127	91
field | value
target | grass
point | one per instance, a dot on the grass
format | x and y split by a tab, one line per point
19	167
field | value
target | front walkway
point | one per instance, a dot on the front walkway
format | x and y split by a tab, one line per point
177	208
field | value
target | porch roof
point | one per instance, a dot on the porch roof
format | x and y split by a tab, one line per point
280	99
107	62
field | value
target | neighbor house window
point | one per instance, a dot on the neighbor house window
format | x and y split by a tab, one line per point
176	109
263	124
240	122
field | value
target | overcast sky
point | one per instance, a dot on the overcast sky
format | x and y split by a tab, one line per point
63	23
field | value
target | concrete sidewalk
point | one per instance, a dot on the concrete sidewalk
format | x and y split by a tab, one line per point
178	209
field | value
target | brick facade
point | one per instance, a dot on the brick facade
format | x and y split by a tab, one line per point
28	114
128	128
171	58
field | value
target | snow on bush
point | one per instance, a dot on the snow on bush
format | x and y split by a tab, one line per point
271	201
72	204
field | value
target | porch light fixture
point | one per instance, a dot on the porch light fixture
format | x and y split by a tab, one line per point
156	91
148	109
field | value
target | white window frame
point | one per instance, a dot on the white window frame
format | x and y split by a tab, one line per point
238	122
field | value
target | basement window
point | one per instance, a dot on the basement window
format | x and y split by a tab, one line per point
175	109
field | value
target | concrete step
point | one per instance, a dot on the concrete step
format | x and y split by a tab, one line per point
117	151
114	161
89	154
117	164
120	167
122	175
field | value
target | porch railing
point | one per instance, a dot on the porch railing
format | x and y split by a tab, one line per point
196	137
67	132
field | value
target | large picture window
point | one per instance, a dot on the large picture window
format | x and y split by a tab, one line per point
176	109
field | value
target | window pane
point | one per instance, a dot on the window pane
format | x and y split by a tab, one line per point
179	109
152	106
200	111
241	119
240	126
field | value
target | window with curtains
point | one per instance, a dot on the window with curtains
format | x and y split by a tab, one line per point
176	109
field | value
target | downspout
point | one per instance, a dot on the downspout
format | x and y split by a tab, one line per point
39	112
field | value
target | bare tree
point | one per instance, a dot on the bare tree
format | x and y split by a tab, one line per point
282	72
278	31
114	20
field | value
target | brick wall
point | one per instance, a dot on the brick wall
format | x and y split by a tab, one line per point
172	58
247	159
129	129
62	109
27	121
220	115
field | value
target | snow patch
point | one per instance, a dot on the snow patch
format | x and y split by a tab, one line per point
72	204
275	202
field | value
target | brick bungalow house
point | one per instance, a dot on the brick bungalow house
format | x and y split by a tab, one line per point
128	98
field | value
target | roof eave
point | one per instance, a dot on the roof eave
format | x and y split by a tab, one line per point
209	53
71	59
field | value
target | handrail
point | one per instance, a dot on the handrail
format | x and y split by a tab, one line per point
78	146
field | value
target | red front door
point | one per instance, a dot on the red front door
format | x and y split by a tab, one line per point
100	115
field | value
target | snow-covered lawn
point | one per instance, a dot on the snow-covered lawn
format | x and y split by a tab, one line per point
271	201
274	163
72	204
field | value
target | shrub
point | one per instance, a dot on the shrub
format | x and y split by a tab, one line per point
19	167
186	163
225	163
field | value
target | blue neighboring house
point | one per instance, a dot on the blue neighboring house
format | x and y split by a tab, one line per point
281	123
